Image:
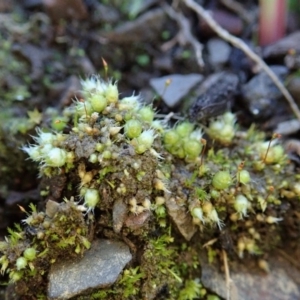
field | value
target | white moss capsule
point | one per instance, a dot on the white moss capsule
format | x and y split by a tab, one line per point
91	198
21	263
241	204
133	128
56	157
221	180
98	102
30	254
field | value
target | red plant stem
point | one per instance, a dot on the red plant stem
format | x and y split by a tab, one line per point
272	21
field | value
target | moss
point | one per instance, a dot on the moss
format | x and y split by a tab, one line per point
143	179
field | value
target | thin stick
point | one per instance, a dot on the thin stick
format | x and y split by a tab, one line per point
227	274
240	44
185	33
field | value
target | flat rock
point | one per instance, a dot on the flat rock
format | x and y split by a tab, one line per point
98	268
179	87
182	219
251	283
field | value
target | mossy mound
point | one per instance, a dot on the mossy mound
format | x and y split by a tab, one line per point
137	178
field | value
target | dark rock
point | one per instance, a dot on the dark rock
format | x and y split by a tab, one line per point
99	268
146	28
72	9
134	8
35	55
104	14
179	87
216	100
293	87
260	94
283	46
32	3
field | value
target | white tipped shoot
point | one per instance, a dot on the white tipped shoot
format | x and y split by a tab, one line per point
56	157
91	199
241	204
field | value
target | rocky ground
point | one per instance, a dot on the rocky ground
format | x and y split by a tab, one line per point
165	52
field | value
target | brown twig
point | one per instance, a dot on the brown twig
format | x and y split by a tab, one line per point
227	275
238	43
185	36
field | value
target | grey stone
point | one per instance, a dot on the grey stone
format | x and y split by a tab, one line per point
283	46
261	95
218	51
179	87
98	268
147	27
182	219
251	283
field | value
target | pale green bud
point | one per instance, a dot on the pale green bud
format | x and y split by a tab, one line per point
98	102
133	128
184	129
146	138
244	176
93	158
241	205
83	108
30	254
112	93
221	180
91	198
171	138
146	114
56	157
192	148
21	263
197	212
